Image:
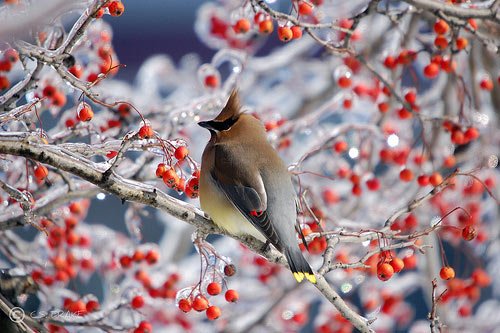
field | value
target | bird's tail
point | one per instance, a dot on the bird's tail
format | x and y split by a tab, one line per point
298	265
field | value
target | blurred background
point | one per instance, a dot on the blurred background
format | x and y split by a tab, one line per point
151	27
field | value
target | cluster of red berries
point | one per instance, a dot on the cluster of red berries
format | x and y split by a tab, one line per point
377	263
266	269
334	323
388	265
61	240
151	257
9	58
265	26
409	223
458	135
81	307
170	177
467	290
404	58
201	303
166	290
56	97
372	184
114	8
318	244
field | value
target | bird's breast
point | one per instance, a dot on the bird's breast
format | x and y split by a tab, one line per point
215	203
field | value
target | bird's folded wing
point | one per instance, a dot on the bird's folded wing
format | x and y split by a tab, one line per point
245	190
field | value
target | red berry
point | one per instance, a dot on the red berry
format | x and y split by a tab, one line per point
435	179
241	26
116	8
486	84
406	175
305	8
441	27
41	172
480	278
181	153
4	82
146	132
86	263
185	305
431	70
229	270
449	161
447	273
125	261
384	271
78	307
138	256
144	327
92	306
457	137
85	113
340	146
411	97
211	81
200	303
112	154
383	107
471	134
214	288
390	62
373	184
285	34
170	177
231	295
266	27
11	55
152	257
344	81
124	110
410	261
461	43
76	208
160	170
469	233
423	180
397	264
464	310
5	65
441	42
137	302
296	32
59	99
213	312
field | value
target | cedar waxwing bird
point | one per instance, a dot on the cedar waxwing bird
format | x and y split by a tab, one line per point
246	188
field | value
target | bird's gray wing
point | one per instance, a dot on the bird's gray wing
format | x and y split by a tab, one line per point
243	186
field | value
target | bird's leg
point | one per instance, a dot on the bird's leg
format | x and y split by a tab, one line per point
266	246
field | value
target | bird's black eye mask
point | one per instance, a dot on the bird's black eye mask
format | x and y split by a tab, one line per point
219	125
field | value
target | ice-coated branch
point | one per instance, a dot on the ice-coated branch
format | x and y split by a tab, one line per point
129	190
491	13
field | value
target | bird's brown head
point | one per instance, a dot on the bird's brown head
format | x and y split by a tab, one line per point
227	117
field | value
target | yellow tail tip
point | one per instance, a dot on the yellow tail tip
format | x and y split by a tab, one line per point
299	276
311	278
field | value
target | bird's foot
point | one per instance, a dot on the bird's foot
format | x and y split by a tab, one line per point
266	247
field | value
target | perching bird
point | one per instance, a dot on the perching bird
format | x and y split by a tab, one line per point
245	186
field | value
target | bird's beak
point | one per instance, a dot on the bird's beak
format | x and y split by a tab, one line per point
206	124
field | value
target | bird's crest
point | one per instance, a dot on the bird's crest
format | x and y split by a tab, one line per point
232	108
